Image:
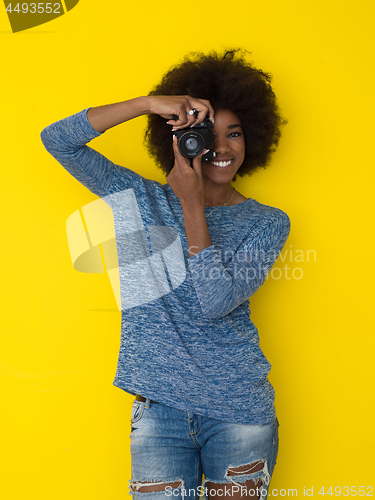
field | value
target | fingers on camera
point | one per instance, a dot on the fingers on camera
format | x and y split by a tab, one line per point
191	113
208	109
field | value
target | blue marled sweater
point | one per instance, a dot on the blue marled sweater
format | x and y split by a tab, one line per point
187	339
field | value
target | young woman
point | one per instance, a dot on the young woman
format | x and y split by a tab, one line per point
191	252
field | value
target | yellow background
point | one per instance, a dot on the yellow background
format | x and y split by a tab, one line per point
64	427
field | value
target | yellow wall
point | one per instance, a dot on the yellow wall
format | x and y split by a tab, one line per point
64	427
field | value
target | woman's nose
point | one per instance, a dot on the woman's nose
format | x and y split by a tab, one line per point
220	145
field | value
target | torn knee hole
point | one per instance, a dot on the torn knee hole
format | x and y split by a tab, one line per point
245	469
251	479
145	486
234	489
249	490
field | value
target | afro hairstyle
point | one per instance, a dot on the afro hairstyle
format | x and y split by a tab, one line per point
230	82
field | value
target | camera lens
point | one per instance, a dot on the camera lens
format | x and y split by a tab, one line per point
191	144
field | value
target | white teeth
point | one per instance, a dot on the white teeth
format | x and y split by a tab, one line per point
222	163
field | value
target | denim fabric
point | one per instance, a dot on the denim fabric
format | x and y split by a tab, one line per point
170	445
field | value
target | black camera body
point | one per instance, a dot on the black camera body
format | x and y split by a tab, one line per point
193	140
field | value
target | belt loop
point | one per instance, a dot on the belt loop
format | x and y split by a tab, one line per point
147	403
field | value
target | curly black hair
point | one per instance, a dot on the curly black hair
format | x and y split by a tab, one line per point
230	82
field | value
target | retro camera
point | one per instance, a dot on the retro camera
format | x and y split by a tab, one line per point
192	141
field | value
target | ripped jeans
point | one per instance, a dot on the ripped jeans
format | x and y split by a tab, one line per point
171	449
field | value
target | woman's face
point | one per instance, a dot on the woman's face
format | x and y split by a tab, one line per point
229	147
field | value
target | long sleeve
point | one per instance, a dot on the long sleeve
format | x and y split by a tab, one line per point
220	288
66	141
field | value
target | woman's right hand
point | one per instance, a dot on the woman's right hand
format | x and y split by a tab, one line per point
180	105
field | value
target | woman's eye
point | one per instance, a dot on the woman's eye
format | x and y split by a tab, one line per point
235	134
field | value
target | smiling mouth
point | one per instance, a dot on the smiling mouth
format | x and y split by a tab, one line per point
221	163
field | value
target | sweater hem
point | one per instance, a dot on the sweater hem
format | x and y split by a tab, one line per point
235	417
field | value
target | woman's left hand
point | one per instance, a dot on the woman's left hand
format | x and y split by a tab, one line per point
186	181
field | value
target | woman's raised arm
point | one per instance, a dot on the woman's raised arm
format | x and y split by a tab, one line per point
67	139
102	118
